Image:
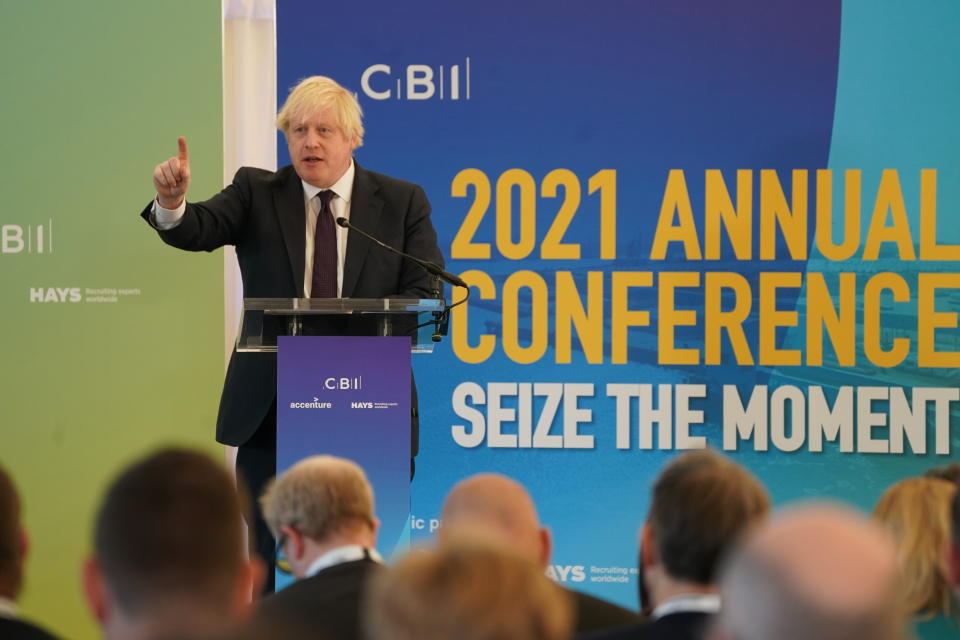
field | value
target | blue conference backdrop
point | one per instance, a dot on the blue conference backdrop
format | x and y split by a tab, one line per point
685	224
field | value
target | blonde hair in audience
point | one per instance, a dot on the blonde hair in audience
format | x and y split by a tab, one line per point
319	496
917	513
467	591
316	94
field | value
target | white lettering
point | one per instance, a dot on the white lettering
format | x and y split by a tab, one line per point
778	422
740	423
473	437
867	420
365	81
420	75
11	238
830	423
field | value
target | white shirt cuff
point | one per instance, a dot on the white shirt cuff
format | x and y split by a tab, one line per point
166	219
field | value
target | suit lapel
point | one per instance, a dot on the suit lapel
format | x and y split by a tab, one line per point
289	208
365	209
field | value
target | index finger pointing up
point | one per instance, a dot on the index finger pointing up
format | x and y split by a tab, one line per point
183	156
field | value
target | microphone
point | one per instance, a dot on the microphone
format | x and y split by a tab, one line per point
430	267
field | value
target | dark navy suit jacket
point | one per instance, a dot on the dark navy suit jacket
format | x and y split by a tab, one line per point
262	214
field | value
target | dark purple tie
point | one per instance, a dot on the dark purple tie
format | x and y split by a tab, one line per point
324	282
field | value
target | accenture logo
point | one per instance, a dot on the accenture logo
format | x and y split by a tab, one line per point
417	82
316	404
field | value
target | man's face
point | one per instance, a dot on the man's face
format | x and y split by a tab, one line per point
319	149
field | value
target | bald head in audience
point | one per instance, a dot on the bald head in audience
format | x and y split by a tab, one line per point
491	505
814	572
169	557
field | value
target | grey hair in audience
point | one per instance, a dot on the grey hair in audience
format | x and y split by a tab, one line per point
817	571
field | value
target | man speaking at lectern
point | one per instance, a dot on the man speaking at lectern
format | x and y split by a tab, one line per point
289	246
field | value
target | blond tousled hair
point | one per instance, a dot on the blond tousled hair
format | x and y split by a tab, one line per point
917	513
316	93
467	591
319	496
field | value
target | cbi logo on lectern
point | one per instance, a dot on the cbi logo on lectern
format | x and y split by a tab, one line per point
417	81
30	238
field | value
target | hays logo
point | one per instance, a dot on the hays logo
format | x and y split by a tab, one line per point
566	572
417	82
31	238
361	405
55	294
316	404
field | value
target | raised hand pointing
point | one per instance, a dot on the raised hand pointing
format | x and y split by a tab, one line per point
172	178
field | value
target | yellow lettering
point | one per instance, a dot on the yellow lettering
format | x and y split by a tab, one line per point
929	320
621	316
669	317
716	319
737	222
538	317
929	249
822	315
459	318
774	210
570	312
676	199
871	319
771	318
851	215
889	198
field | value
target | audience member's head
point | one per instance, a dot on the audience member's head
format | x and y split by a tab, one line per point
950	472
494	507
467	591
813	572
13	539
319	504
169	556
702	503
916	511
953	550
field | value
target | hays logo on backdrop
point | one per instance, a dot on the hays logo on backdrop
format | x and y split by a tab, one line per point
55	294
31	238
417	81
566	572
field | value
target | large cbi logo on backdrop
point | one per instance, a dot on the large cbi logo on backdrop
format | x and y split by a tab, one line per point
31	238
417	82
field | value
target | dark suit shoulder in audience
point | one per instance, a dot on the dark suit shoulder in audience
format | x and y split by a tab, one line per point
593	614
11	629
328	602
685	625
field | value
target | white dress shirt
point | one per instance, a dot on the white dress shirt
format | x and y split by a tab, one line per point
688	603
8	608
349	553
166	219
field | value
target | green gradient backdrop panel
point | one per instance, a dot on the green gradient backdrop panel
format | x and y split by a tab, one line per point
112	341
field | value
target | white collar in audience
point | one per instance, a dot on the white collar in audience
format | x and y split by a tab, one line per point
349	553
8	608
688	603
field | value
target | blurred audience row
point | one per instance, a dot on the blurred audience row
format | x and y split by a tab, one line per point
170	561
